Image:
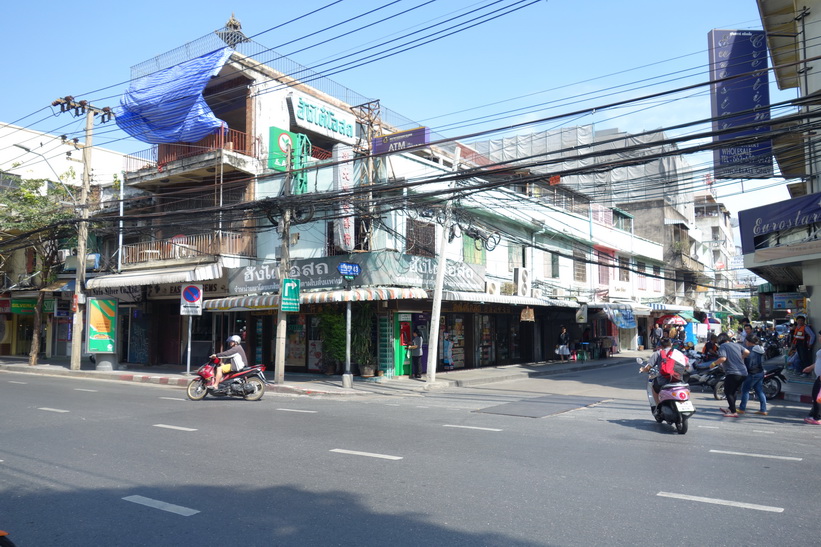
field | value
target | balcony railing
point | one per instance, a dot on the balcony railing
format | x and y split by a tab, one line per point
160	155
189	247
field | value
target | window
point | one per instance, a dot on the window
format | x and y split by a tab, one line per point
515	256
622	221
360	236
579	266
605	262
551	264
471	254
420	238
641	278
624	271
657	280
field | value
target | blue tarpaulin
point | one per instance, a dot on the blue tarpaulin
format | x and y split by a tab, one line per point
168	107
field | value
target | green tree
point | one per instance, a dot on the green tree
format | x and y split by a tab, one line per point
33	215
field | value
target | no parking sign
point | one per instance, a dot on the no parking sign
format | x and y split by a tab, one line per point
191	300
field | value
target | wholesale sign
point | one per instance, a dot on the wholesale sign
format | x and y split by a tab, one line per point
102	325
740	97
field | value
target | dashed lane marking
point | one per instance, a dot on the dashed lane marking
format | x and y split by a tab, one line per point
366	454
473	427
174	398
788	458
176	427
16	382
162	506
87	390
716	501
52	409
297	410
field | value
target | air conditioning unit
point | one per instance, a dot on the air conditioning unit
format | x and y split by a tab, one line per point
521	278
492	287
537	293
63	254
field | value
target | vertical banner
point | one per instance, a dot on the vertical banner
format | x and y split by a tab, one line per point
740	101
343	182
102	325
280	142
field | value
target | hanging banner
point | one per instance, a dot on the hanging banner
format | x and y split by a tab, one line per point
102	325
343	182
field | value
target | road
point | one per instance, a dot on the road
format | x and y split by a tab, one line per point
567	460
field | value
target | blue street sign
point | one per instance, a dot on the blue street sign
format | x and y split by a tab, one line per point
347	269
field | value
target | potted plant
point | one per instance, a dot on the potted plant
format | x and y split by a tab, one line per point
332	332
362	351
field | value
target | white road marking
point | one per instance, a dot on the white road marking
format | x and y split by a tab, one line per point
473	427
391	404
88	390
174	398
297	410
762	431
52	409
722	502
757	455
16	382
178	428
709	426
368	454
162	506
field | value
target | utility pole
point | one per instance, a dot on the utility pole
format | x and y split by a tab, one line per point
284	266
441	266
68	104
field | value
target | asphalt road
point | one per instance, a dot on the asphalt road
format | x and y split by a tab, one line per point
568	460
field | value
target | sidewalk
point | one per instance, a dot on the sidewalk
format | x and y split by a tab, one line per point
796	389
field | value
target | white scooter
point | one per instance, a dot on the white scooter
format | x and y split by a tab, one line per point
675	406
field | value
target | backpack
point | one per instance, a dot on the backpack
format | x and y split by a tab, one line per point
670	368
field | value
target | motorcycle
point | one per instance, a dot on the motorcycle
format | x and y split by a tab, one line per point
706	378
772	383
4	539
675	406
248	383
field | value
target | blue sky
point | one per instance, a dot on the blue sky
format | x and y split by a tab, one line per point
550	57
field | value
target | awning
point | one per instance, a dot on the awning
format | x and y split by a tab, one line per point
61	285
243	303
456	296
639	309
671	307
184	274
688	316
363	294
729	309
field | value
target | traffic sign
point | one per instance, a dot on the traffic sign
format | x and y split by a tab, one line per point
289	295
191	300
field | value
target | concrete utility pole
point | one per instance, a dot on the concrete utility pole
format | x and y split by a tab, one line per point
433	335
79	108
284	266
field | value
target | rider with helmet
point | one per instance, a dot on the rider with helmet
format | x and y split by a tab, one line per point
233	359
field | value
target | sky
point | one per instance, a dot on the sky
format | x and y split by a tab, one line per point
531	60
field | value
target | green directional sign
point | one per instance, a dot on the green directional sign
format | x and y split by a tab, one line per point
289	295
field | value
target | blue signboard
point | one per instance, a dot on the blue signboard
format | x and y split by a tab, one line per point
776	224
349	270
399	141
740	96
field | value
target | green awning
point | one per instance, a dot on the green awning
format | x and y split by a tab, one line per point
688	316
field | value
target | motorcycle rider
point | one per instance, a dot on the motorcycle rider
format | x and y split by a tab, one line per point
665	345
233	359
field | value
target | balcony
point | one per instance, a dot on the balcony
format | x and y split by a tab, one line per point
193	248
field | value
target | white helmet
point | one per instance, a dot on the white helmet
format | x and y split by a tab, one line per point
235	339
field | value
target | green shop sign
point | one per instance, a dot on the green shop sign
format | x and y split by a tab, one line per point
322	118
25	306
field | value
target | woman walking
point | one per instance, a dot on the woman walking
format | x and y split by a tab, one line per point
563	344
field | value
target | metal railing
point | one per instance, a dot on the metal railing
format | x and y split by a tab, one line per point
187	247
160	155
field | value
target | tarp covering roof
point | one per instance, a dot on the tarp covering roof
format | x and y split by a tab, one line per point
167	106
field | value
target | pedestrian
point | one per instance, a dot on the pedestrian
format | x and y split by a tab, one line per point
815	411
731	359
755	376
802	341
655	337
563	344
416	354
447	351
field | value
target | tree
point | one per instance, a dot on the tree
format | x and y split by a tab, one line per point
33	216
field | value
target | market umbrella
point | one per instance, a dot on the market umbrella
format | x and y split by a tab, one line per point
674	320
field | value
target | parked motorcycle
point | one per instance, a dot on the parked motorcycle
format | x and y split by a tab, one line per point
675	406
773	382
248	383
4	539
706	377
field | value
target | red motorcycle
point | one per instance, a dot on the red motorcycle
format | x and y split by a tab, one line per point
248	383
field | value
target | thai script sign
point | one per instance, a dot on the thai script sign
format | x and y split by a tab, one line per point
740	101
385	269
401	140
344	236
320	117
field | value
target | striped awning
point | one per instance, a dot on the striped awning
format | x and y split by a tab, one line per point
363	294
463	296
184	274
671	307
243	303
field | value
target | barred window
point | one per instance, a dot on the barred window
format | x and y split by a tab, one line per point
420	238
624	272
579	266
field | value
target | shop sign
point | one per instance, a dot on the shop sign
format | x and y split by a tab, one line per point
322	118
102	325
5	305
123	294
788	300
280	144
401	140
25	306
